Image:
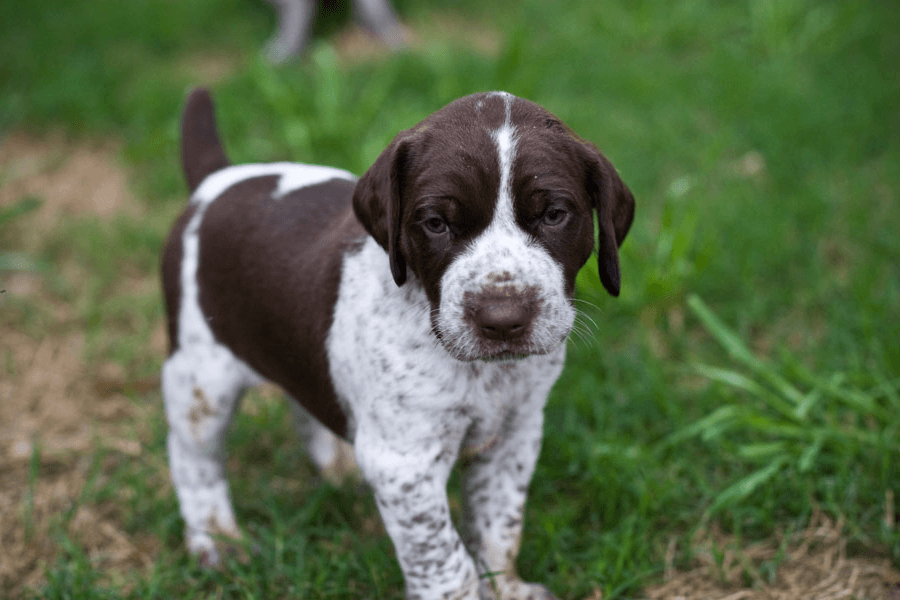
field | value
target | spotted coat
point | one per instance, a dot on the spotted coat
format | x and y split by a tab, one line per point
418	317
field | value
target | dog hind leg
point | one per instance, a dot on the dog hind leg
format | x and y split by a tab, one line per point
332	455
202	386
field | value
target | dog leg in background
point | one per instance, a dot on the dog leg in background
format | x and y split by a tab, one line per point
294	25
332	456
295	19
378	17
202	387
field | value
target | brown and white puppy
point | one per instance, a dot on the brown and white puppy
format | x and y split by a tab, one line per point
419	313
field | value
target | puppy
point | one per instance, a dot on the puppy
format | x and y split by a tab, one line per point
419	313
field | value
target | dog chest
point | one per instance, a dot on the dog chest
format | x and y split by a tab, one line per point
390	370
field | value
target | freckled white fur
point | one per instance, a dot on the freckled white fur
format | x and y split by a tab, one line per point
415	409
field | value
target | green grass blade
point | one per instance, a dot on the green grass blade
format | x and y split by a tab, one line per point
740	381
739	351
716	421
806	404
23	206
745	486
730	378
810	453
765	450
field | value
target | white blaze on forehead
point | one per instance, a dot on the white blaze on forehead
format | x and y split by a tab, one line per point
505	141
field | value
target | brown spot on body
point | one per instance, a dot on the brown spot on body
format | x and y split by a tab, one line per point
200	410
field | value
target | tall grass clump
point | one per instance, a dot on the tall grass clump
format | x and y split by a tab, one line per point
783	420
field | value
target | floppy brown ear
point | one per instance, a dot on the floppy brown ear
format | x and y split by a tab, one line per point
378	202
615	211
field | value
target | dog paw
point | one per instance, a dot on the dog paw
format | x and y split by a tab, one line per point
214	551
530	591
514	589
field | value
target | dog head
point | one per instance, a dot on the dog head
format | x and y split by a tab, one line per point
489	202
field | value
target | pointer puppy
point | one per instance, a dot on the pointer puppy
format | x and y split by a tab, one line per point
419	313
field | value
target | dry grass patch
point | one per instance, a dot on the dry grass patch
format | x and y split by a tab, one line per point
811	565
52	422
69	177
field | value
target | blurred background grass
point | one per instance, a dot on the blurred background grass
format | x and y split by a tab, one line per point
747	377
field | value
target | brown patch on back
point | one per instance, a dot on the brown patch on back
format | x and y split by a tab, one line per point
274	311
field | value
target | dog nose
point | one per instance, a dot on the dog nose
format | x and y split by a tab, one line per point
505	319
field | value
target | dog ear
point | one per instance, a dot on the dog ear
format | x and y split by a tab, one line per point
614	204
378	201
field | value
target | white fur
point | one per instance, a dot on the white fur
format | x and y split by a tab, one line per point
414	409
294	176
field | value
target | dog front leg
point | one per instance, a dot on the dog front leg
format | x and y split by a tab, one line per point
494	486
410	486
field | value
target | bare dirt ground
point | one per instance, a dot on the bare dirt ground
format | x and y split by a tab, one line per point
55	410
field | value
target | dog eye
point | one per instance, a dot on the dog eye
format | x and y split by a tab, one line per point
436	225
554	216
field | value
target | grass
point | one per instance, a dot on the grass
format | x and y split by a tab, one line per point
748	376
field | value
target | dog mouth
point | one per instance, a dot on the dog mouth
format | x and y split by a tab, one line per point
504	356
496	353
491	352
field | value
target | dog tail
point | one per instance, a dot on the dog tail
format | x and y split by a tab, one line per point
201	149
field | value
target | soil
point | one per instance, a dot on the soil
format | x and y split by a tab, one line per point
55	410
